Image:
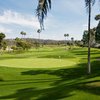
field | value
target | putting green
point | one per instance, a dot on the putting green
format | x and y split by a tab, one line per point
37	63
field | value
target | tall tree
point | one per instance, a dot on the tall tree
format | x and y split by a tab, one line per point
72	40
89	4
66	35
39	31
23	33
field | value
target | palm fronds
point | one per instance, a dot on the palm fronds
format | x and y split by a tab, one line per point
43	7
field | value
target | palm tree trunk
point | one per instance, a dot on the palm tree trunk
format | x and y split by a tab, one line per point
89	35
39	38
65	43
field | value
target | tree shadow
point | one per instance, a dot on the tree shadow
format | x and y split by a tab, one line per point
21	94
1	79
26	81
63	75
81	52
75	75
39	94
71	79
90	87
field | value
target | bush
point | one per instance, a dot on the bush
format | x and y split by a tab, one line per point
22	45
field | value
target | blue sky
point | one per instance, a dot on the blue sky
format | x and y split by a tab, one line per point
66	16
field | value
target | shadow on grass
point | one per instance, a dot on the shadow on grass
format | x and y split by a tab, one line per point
79	71
90	87
1	80
71	79
43	94
81	52
27	81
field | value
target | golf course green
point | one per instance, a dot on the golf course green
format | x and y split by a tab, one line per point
49	74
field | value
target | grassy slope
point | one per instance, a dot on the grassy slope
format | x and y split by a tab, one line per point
69	82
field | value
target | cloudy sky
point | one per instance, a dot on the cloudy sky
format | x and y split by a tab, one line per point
66	16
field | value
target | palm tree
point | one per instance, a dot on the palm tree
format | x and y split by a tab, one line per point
41	11
39	31
45	5
72	40
23	33
67	38
89	4
66	35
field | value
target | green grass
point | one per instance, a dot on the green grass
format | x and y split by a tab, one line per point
49	74
36	63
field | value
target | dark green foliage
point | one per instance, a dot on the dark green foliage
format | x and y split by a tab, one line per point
4	45
22	44
97	17
13	47
23	33
78	43
85	38
2	36
36	44
92	37
98	33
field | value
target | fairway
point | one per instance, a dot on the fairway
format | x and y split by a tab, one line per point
49	74
37	63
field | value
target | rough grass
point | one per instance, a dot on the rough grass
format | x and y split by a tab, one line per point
68	82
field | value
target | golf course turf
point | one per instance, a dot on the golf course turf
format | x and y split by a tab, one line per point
49	74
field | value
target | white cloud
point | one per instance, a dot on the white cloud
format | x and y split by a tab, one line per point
11	17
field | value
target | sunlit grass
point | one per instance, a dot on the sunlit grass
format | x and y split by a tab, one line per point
49	74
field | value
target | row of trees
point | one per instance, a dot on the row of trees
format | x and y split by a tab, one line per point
67	35
20	43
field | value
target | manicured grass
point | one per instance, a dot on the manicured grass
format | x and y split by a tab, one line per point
37	63
49	74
